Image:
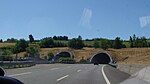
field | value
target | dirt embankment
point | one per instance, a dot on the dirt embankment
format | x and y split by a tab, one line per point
125	55
79	54
131	55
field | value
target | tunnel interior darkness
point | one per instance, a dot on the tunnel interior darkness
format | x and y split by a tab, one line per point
101	58
62	54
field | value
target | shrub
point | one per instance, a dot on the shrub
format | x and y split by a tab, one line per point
66	60
50	56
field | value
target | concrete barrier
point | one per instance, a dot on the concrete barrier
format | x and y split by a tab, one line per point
16	64
131	68
138	73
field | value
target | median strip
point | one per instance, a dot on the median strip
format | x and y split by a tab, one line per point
104	75
62	78
19	74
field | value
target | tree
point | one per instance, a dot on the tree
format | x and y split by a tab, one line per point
138	41
96	44
65	38
50	56
11	40
47	43
1	40
33	50
134	40
131	42
31	38
117	43
60	38
20	46
76	43
59	44
6	52
144	41
55	38
104	44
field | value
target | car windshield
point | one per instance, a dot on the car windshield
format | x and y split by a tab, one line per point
75	41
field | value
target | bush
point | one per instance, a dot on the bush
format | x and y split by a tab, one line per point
96	44
83	61
6	58
59	44
20	46
33	50
117	43
50	56
104	44
67	60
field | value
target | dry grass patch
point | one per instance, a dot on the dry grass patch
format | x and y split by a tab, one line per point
132	55
7	44
85	52
126	55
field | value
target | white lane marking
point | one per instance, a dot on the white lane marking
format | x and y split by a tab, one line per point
20	74
79	70
62	77
105	77
54	68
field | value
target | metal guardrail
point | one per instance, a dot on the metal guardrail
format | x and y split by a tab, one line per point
15	64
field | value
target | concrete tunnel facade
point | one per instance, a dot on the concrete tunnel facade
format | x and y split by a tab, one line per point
101	58
64	54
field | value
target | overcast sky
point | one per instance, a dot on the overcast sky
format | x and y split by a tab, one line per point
88	18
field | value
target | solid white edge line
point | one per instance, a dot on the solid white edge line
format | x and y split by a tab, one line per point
62	77
105	77
19	74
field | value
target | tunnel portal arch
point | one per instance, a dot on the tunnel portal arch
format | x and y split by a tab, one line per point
101	58
64	54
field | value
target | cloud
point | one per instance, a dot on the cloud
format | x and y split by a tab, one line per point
86	18
144	21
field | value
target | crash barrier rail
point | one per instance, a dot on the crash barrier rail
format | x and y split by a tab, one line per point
132	68
16	64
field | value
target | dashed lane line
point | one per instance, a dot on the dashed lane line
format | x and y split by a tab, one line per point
61	78
79	70
54	68
20	74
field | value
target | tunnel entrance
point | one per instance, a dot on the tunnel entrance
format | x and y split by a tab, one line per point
63	54
101	58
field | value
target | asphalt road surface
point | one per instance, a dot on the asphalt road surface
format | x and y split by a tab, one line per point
68	74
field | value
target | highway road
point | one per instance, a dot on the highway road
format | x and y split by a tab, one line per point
68	74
